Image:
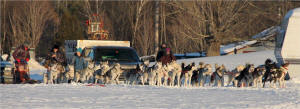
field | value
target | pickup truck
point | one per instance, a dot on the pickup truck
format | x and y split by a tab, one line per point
103	50
126	56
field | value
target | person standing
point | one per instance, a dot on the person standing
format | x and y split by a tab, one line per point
21	56
235	51
161	52
55	57
79	65
168	57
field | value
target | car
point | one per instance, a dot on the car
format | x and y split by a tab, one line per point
6	72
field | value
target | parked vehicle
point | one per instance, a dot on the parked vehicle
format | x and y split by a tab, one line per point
6	72
103	50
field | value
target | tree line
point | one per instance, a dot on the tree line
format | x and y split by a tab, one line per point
185	26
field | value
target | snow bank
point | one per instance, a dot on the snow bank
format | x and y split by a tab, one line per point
267	33
224	49
231	61
36	70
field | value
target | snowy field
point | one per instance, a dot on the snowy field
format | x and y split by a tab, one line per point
79	96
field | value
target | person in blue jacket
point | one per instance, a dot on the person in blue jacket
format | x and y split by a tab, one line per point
79	65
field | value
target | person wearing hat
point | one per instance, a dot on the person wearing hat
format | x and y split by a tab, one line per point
79	65
56	56
161	52
168	57
21	56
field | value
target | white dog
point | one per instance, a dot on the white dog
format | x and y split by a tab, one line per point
144	73
175	71
153	73
69	74
89	72
54	73
115	72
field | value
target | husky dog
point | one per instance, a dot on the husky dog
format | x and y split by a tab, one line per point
101	72
89	72
165	74
69	73
160	74
188	75
45	78
153	73
133	76
219	75
257	75
175	71
54	73
278	75
207	72
200	73
245	76
233	74
143	75
115	72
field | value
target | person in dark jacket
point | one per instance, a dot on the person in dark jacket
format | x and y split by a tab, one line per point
235	51
55	56
79	65
168	57
161	52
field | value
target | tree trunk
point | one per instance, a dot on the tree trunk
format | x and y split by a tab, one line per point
213	48
156	39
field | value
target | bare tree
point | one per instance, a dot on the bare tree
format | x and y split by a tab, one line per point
211	21
28	21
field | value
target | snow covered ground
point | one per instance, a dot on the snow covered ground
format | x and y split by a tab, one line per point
129	97
121	96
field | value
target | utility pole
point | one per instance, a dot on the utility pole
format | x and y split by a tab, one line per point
156	21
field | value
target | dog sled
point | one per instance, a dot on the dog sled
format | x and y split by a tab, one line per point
21	74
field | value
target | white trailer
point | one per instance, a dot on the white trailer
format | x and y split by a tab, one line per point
288	43
72	45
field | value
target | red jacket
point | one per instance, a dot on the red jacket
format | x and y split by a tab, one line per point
167	59
21	54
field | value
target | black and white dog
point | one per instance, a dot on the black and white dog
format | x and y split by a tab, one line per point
245	76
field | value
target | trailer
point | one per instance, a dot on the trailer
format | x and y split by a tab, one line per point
287	48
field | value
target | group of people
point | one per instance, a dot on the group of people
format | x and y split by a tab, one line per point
21	56
57	57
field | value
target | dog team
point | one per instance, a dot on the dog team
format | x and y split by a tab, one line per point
165	72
